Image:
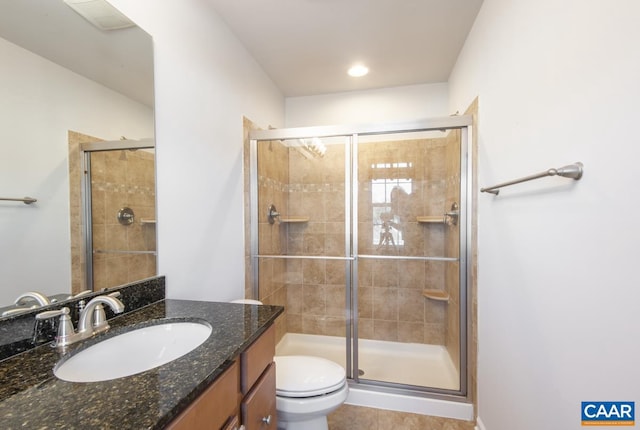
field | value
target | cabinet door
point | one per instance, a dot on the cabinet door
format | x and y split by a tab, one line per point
213	409
257	357
259	406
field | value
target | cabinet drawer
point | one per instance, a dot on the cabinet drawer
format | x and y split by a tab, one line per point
257	357
259	406
213	409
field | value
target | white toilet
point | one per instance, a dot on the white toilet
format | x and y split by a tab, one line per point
307	390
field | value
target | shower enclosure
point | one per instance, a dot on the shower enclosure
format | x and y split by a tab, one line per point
363	234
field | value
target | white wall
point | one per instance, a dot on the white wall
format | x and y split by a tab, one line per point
558	295
40	102
395	104
205	82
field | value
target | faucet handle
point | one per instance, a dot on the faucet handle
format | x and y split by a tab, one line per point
51	314
66	332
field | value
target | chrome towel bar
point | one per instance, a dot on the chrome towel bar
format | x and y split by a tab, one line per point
573	171
25	200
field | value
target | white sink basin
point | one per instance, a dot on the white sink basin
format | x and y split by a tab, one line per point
133	352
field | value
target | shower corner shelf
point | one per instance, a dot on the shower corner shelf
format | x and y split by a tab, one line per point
438	295
435	219
294	219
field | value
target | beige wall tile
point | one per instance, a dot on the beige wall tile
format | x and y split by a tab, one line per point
314	300
365	302
411	305
294	298
313	324
335	326
335	272
411	332
385	330
313	272
335	300
385	304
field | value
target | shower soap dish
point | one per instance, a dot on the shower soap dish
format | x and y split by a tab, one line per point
438	295
431	219
295	219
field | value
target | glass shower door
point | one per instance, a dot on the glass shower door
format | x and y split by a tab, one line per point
363	238
302	258
408	259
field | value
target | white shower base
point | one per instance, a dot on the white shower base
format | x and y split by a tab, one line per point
402	363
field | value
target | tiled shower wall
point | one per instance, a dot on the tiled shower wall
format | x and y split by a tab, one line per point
391	304
123	179
390	301
273	175
316	288
120	178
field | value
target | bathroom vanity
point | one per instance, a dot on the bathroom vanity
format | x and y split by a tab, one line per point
245	393
226	382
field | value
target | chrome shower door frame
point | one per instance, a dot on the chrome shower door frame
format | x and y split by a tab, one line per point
351	257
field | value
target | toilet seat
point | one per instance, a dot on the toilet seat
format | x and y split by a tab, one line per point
306	376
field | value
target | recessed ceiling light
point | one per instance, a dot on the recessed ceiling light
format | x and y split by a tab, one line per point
358	70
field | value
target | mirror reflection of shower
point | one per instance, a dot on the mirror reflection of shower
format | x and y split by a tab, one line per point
119	212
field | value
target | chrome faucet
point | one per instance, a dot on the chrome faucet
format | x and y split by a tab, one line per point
92	319
34	296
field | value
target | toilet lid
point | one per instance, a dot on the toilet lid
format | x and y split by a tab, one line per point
305	376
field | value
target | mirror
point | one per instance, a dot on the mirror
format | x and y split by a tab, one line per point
60	74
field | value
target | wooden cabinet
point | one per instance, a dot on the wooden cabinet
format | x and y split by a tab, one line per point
258	383
259	406
248	386
216	407
256	358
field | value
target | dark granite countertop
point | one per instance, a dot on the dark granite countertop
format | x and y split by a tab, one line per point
31	397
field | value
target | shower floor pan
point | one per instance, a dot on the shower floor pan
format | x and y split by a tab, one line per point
401	363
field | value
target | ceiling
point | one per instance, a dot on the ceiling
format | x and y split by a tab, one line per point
306	46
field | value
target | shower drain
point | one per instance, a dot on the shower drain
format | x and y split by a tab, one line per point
360	372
